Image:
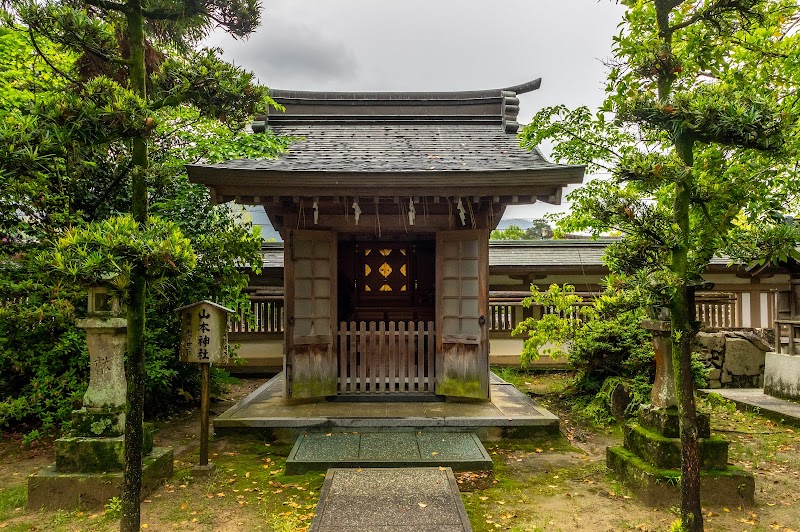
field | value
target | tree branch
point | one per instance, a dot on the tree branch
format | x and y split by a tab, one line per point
162	14
575	136
168	101
46	59
117	180
108	5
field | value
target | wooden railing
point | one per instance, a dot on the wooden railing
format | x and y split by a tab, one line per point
268	317
389	358
786	331
716	309
504	316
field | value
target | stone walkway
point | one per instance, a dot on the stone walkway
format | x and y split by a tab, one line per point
509	413
756	399
424	499
461	451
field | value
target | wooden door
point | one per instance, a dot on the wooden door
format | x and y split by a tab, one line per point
462	339
310	286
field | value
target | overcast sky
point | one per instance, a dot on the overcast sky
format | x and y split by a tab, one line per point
426	45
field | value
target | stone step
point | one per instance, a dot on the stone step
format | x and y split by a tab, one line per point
665	453
422	499
661	487
318	451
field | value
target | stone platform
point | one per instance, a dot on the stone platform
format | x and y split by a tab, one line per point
415	499
510	413
461	451
754	399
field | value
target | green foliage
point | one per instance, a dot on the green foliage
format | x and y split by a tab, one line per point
604	342
67	122
699	131
22	74
549	334
113	508
32	436
730	68
43	359
105	252
539	230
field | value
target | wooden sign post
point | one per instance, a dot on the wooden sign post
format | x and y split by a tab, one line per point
204	341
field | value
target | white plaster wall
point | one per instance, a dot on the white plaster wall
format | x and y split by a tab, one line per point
782	375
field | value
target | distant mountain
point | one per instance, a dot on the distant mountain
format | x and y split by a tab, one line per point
522	223
257	216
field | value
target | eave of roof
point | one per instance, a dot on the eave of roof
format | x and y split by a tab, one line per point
521	88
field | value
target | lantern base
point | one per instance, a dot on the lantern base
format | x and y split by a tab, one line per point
54	490
649	463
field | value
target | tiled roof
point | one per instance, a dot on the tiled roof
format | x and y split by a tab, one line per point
395	148
272	255
545	254
521	254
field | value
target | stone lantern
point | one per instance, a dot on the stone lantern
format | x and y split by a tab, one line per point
90	460
103	412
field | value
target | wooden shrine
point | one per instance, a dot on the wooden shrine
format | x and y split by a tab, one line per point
385	202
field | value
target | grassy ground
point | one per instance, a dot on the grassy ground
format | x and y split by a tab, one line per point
550	484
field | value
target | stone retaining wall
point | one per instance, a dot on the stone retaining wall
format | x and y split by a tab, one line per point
735	358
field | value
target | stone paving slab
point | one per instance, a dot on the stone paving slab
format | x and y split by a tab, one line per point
755	398
419	499
510	413
315	451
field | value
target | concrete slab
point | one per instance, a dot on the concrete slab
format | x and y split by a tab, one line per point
388	446
755	399
462	451
510	413
328	448
418	499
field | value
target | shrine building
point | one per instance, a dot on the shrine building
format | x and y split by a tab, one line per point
385	201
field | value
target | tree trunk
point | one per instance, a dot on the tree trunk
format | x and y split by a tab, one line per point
681	313
132	486
682	333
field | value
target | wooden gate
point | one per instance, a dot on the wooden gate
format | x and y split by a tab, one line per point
386	358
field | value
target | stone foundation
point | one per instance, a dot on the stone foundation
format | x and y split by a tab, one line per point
735	359
88	472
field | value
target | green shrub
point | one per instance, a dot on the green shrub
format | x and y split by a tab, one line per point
43	360
44	364
604	342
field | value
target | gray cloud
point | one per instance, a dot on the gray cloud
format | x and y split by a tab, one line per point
288	54
398	45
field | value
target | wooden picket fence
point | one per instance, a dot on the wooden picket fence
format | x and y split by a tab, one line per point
386	358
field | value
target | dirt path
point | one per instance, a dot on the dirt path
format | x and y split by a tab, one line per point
550	484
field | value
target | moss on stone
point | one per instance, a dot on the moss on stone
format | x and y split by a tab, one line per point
666	421
96	455
105	423
90	455
660	487
665	452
